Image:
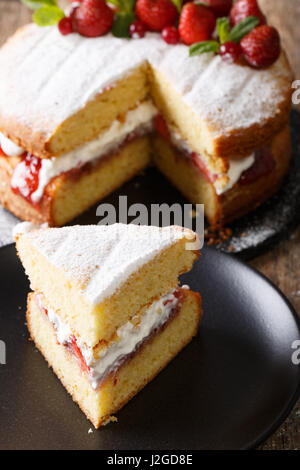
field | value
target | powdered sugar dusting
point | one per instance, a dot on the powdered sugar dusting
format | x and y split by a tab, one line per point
101	258
46	77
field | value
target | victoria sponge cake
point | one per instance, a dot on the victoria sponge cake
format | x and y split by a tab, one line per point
107	312
81	115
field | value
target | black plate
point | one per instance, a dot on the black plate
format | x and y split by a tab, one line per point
229	389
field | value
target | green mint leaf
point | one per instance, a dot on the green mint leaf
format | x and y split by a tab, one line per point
35	4
203	47
124	6
242	28
48	15
223	28
121	24
178	4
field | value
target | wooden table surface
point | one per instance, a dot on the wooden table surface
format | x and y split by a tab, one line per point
281	264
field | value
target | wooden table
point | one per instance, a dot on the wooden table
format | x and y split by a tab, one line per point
281	264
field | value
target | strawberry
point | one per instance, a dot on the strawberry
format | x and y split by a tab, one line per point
244	8
92	18
220	7
197	23
261	47
230	52
156	14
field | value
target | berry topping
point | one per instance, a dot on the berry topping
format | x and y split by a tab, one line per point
261	47
264	164
156	14
197	23
230	51
244	8
25	178
93	18
137	29
220	7
170	35
65	26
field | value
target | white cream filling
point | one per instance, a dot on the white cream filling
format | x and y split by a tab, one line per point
236	166
139	119
130	337
9	147
236	169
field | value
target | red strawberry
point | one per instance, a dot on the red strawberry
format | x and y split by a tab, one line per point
197	23
156	14
92	18
261	47
230	51
137	29
244	8
220	7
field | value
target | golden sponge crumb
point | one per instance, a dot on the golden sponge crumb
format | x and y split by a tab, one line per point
88	123
131	377
182	173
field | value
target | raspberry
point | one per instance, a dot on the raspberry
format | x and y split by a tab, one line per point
244	8
156	14
170	35
92	18
137	29
65	26
261	47
197	23
220	7
230	52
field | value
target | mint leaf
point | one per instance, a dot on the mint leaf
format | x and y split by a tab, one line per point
242	28
178	4
35	4
124	6
203	47
223	29
48	15
121	24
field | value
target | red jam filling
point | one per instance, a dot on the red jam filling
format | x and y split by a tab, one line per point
2	153
264	164
72	345
161	127
25	178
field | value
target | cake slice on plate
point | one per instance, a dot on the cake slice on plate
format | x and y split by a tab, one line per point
107	312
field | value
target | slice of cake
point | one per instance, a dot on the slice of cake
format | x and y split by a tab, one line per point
78	114
107	312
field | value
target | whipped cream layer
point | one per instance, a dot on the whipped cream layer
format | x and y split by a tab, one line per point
236	165
9	147
130	337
